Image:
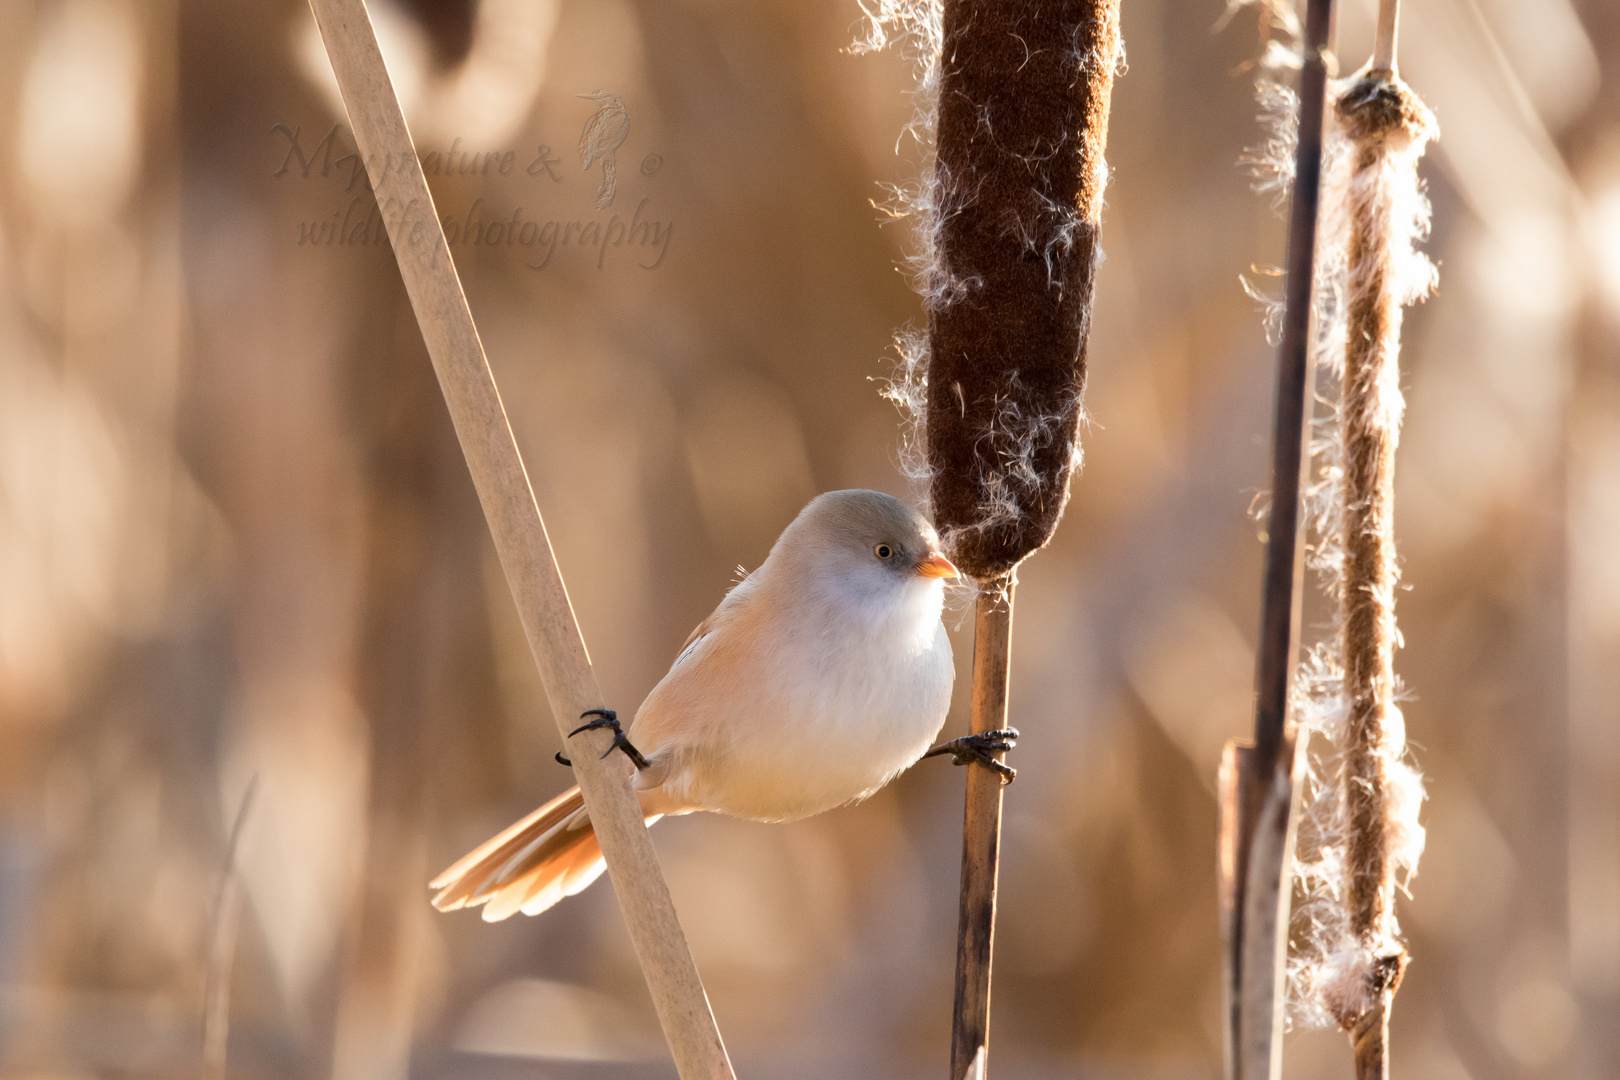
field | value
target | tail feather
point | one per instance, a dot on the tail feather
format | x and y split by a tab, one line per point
461	883
512	836
528	867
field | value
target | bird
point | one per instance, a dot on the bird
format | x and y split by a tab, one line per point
603	134
820	677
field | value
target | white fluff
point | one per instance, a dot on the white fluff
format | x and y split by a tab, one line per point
1329	970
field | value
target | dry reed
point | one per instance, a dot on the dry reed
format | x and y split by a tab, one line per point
1260	783
519	532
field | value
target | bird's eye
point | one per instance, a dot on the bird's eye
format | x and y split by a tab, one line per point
883	551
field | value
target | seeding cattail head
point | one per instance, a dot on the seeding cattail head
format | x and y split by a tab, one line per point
1361	837
1015	199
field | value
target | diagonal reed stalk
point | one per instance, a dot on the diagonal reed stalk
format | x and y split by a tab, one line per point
519	533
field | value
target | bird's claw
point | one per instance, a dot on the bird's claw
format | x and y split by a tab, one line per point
979	748
607	718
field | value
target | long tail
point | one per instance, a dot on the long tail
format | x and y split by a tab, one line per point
530	866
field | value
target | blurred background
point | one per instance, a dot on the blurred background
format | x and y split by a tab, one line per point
237	540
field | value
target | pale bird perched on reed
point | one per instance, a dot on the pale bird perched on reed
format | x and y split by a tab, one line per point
819	678
603	135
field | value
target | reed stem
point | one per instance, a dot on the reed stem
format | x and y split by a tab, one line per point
519	532
1284	563
1255	1029
1383	57
981	832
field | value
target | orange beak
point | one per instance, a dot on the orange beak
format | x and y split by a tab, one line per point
936	566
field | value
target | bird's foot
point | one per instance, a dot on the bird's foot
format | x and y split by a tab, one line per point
607	718
980	748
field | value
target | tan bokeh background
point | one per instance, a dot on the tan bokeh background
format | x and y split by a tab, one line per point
237	540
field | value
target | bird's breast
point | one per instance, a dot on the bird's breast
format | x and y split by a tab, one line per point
784	722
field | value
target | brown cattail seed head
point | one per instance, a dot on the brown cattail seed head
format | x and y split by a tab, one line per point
1022	124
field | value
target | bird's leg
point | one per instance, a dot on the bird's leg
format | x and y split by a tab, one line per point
607	718
979	748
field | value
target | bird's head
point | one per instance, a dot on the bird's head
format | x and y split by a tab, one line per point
601	97
865	548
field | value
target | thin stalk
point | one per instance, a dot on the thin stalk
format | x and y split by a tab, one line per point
1369	1039
222	947
1284	566
1383	58
519	532
1255	1015
981	832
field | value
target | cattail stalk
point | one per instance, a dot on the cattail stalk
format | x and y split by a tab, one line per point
1015	206
981	833
1383	57
1387	126
519	532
